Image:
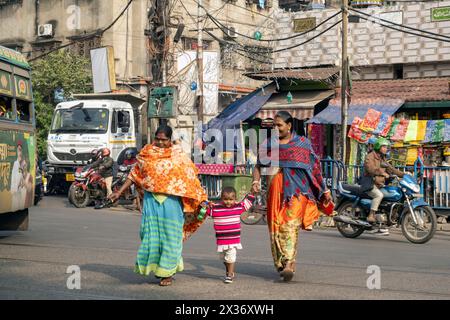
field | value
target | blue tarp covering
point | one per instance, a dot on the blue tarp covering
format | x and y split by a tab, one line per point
240	110
357	108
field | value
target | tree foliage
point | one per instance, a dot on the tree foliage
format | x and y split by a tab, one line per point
59	70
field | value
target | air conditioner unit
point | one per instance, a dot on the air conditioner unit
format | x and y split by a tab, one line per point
45	30
231	32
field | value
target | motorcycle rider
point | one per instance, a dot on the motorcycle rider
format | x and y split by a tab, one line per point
104	165
376	170
95	155
130	158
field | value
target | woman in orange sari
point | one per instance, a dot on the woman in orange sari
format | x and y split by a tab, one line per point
172	197
295	186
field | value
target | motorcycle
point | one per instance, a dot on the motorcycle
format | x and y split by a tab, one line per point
88	186
402	206
122	175
39	186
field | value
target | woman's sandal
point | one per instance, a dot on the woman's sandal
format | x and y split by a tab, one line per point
165	282
288	272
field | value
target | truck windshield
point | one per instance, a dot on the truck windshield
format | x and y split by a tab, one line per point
87	120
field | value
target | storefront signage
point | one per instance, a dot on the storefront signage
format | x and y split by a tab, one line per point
304	24
440	14
13	56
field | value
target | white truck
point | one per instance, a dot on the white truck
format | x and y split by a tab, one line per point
82	125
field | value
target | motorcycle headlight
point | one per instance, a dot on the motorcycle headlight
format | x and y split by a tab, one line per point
51	170
77	175
123	168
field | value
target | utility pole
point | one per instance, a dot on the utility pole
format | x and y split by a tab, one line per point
344	77
200	62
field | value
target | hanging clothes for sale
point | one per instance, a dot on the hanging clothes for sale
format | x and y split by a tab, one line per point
431	126
411	132
317	138
384	121
352	160
356	133
411	156
421	130
400	131
447	130
371	120
438	133
393	128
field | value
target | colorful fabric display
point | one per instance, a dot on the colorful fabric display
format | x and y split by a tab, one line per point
447	130
385	120
431	124
412	156
353	159
356	133
371	120
400	131
393	128
411	133
421	129
438	133
387	128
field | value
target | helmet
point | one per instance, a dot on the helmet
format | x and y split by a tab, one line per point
372	140
130	153
105	152
381	142
94	153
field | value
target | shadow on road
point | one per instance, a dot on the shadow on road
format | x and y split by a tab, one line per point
123	274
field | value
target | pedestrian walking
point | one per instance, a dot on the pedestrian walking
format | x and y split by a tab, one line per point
227	224
172	197
295	187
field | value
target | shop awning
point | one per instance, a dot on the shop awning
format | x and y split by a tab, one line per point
358	108
301	107
241	110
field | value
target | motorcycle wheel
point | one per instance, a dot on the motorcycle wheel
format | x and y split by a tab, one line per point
78	197
347	230
417	234
251	217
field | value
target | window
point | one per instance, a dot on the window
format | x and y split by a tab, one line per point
398	71
120	119
6	109
84	47
23	110
191	44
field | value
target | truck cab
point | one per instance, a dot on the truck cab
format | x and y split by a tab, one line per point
80	126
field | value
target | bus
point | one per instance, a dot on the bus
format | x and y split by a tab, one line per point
17	141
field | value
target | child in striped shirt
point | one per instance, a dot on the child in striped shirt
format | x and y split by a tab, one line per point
227	224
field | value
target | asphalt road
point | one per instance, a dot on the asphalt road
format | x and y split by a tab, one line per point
103	243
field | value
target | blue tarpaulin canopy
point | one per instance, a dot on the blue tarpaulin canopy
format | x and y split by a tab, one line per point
357	108
240	110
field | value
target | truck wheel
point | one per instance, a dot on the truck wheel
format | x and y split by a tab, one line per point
78	197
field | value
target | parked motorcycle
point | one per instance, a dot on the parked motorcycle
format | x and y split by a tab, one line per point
88	186
402	205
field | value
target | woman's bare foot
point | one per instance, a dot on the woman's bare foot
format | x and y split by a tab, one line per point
166	282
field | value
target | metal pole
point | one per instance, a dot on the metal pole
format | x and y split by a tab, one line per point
200	61
344	78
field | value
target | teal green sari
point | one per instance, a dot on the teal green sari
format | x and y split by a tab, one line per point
161	236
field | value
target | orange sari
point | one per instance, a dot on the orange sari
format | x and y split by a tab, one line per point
285	220
170	171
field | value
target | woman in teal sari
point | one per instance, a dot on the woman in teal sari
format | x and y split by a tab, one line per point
172	196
